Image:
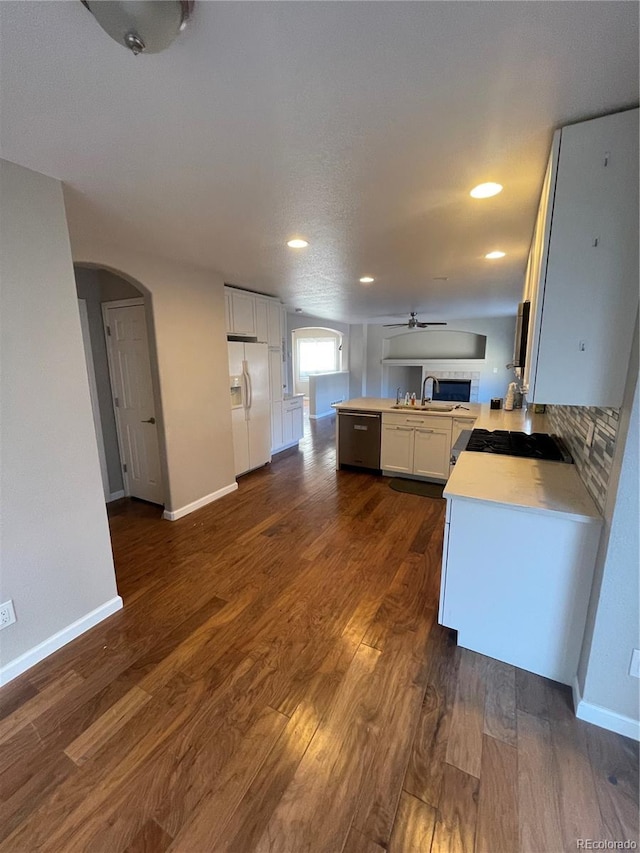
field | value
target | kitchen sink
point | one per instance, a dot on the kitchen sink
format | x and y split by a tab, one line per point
427	407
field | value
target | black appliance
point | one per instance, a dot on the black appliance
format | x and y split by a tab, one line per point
359	439
453	390
538	445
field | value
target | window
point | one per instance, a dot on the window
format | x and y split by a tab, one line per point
315	350
317	355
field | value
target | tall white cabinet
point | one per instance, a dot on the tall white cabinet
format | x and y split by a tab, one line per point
582	274
263	319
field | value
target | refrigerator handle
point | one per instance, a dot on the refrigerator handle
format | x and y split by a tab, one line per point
249	389
246	382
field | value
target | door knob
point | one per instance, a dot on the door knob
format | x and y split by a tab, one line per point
150	421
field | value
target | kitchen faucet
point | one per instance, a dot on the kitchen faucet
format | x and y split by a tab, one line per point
435	387
398	396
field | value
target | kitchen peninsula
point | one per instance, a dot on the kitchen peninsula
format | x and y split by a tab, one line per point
412	441
520	540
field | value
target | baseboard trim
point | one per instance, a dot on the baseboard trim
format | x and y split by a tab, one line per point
322	415
283	447
25	661
115	496
603	717
174	515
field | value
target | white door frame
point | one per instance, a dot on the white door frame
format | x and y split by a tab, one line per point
121	303
93	393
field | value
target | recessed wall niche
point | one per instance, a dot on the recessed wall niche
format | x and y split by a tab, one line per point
439	343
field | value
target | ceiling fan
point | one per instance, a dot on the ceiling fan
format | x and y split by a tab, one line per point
414	323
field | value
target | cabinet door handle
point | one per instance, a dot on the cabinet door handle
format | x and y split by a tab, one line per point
426	430
401	429
413	421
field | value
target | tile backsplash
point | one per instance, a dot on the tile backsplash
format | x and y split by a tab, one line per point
572	424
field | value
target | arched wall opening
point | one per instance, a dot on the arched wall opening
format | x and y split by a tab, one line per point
190	339
100	290
315	350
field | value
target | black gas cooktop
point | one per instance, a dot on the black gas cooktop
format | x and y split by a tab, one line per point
538	445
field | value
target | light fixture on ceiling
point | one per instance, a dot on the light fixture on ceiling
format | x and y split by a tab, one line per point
493	256
486	190
367	279
297	243
142	26
413	323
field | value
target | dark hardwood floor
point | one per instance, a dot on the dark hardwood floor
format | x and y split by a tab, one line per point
277	681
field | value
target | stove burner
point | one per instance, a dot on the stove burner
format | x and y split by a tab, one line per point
538	445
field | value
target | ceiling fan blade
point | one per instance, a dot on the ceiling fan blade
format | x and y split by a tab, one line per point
393	325
424	325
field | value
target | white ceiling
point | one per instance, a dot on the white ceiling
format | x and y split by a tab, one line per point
360	126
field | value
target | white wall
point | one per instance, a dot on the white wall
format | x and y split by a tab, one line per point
56	554
613	624
499	332
357	360
191	343
325	389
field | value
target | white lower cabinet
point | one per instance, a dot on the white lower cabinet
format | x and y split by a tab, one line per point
292	420
431	452
287	423
276	426
396	451
458	425
417	445
523	605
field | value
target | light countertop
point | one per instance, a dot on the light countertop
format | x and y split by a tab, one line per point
550	488
481	413
386	405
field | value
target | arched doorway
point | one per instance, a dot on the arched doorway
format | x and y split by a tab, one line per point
122	370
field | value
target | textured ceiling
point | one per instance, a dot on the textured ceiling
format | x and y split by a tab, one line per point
360	126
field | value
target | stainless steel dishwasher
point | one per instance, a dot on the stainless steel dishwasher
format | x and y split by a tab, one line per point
359	439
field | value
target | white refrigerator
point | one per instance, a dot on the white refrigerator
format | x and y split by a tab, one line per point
250	405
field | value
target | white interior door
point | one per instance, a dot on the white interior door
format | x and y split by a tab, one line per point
134	404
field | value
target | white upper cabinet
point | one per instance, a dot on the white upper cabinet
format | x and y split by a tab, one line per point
274	324
255	316
227	311
243	313
262	324
582	277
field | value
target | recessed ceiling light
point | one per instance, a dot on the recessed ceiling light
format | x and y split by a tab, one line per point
492	256
366	279
297	244
486	190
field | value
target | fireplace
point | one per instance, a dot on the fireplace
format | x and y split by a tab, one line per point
453	390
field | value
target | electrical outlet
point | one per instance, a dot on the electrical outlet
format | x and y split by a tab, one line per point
7	614
634	668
